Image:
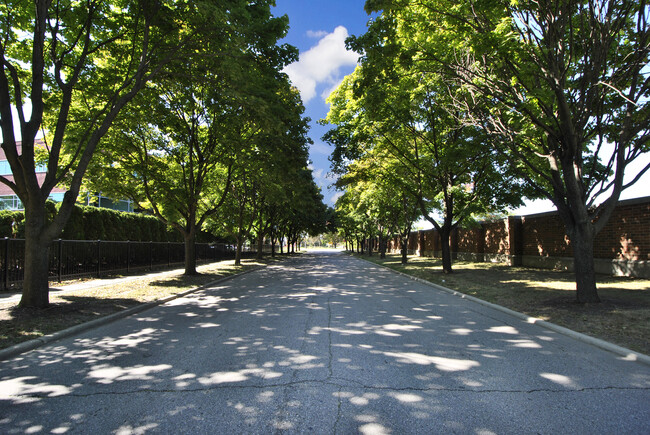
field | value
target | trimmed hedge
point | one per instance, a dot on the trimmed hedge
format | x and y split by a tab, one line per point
92	223
12	224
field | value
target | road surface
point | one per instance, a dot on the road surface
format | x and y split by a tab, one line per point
322	343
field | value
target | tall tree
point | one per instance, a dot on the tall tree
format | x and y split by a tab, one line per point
402	120
562	87
178	166
80	63
267	171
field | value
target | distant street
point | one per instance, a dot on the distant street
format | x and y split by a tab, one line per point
323	343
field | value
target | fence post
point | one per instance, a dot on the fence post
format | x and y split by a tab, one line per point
5	266
60	255
99	259
128	256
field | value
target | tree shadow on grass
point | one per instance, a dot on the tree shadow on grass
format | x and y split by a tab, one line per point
22	324
183	281
72	306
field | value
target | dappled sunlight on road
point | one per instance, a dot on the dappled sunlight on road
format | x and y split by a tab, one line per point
304	346
108	374
442	364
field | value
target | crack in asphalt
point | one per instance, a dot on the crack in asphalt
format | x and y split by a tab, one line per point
339	405
335	382
282	411
329	338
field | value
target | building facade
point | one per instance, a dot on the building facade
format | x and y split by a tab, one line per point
10	201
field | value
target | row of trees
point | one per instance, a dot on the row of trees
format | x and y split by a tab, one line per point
180	106
459	110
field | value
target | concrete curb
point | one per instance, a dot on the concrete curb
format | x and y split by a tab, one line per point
627	354
26	346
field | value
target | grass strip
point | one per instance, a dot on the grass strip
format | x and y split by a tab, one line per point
68	309
622	318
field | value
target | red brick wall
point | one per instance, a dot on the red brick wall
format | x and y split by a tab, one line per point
626	236
627	233
413	241
431	240
496	237
469	240
544	235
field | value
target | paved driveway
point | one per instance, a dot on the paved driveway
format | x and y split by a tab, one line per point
322	344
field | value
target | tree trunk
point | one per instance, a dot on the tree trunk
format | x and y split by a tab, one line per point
582	242
446	249
240	242
405	249
36	285
382	247
190	253
260	246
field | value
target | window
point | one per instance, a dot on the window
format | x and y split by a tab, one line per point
10	202
5	168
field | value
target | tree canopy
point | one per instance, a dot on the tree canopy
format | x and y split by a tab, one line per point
70	69
558	89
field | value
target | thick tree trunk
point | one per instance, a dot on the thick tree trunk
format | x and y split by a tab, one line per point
35	285
582	242
445	234
190	253
382	247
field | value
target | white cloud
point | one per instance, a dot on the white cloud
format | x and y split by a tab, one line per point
318	174
321	65
316	33
320	148
334	197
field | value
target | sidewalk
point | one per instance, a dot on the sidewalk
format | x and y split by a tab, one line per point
62	287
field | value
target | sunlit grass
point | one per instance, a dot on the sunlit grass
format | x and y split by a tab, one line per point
623	317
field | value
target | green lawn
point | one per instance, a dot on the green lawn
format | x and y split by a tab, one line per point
623	316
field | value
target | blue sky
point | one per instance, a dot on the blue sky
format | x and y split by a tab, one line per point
318	28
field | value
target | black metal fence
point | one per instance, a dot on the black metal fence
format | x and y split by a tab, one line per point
83	258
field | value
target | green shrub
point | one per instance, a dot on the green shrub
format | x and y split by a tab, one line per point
92	223
12	224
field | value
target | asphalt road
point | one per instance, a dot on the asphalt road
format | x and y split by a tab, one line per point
322	344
